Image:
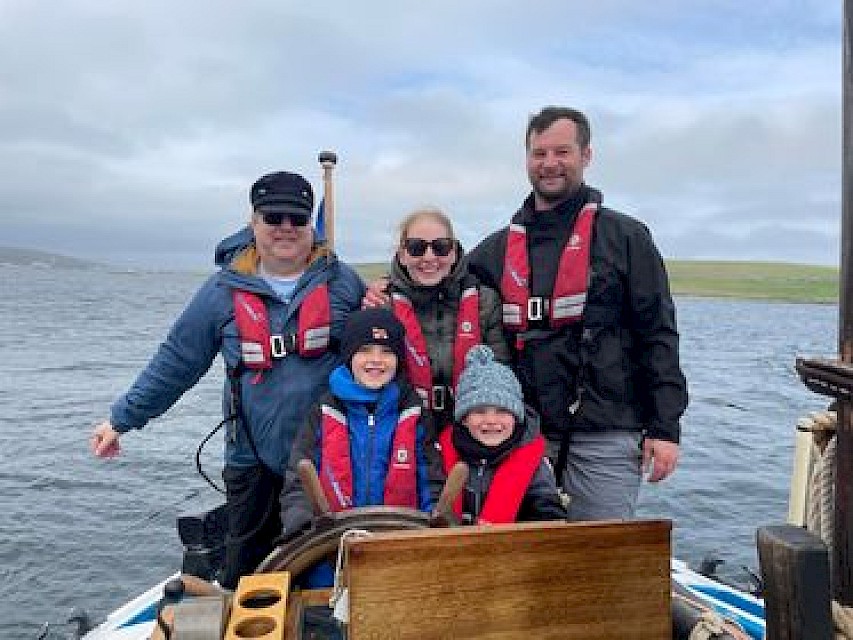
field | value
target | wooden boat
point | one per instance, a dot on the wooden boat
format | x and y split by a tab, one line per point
397	577
405	580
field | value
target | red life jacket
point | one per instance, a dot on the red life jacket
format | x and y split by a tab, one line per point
509	484
468	334
401	482
259	347
570	287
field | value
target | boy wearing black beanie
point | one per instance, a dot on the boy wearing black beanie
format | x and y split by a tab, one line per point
365	436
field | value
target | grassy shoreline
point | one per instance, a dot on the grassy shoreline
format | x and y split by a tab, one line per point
773	281
770	281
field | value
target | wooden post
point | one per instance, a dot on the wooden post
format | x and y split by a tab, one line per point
795	570
328	160
842	556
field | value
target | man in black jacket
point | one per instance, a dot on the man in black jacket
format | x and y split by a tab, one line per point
586	301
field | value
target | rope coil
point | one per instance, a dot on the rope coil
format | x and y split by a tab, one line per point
820	511
710	626
820	505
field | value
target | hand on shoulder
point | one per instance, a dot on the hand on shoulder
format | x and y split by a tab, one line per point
377	293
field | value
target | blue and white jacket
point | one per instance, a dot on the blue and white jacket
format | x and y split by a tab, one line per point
371	417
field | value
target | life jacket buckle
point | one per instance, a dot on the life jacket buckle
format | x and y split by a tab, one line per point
535	308
439	397
281	345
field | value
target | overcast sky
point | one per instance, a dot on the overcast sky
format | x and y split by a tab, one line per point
131	131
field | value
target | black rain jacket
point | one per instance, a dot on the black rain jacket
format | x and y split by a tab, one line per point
620	364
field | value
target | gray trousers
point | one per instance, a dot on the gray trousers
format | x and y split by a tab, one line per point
603	474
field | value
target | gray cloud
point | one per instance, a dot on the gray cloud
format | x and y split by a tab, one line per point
134	129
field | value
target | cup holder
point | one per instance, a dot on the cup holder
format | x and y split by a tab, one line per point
260	599
255	627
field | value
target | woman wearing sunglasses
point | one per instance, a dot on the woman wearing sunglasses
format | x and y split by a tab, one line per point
444	309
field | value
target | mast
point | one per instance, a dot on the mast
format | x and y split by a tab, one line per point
328	160
846	297
842	554
834	378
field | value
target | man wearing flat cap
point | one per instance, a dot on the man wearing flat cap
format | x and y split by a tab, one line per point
274	311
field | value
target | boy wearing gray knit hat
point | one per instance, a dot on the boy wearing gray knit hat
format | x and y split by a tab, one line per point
509	479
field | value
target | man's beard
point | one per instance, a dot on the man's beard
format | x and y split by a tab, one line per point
555	197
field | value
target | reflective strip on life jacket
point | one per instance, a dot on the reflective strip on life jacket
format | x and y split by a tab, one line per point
570	286
468	334
256	344
336	476
509	482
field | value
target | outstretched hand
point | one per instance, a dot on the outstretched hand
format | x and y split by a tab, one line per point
660	458
104	441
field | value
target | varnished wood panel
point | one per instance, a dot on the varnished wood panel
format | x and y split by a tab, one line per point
602	581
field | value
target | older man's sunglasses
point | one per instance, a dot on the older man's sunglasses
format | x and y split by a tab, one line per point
275	218
416	247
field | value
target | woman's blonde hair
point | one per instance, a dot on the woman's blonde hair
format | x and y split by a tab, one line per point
433	213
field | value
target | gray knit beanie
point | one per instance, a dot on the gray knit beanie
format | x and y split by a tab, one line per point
485	382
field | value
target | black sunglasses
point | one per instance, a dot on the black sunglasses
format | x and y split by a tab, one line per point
441	247
275	218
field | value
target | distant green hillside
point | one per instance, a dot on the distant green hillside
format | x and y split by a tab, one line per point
718	279
754	280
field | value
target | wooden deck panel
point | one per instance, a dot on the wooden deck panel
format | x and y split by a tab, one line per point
588	581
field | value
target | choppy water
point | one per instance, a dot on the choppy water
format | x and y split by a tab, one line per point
80	532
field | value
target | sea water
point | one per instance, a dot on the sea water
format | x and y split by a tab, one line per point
76	531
